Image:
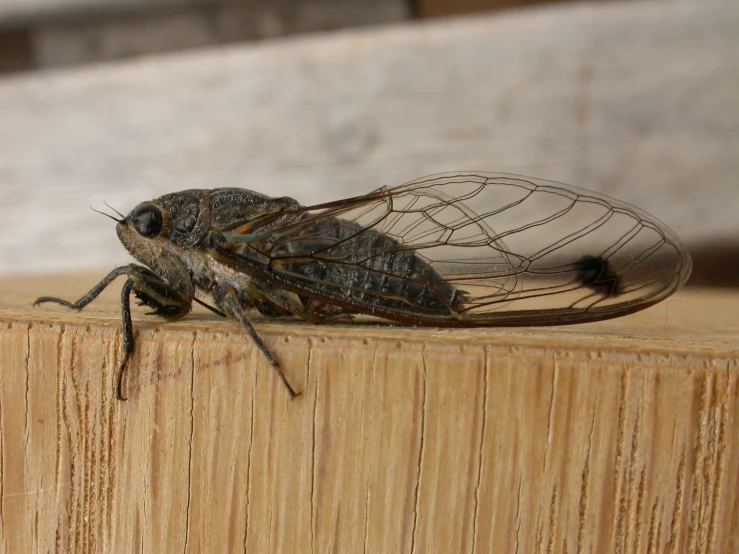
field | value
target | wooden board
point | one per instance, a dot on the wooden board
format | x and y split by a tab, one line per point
635	99
57	12
439	8
610	437
29	12
186	27
62	33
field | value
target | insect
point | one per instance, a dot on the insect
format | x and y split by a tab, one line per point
450	250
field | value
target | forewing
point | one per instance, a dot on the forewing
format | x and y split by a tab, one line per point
490	249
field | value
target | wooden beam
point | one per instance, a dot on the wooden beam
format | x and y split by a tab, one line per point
296	16
611	437
440	8
632	99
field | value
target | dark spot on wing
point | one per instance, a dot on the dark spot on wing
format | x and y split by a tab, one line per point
596	273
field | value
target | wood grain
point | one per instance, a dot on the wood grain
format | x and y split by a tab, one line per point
610	437
637	100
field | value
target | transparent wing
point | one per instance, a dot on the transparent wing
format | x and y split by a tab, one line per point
468	249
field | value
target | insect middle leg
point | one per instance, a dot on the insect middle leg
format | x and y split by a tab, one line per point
150	289
227	298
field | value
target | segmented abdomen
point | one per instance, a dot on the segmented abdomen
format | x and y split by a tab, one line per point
362	265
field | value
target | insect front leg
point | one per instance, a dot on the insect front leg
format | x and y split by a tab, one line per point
227	298
150	289
92	294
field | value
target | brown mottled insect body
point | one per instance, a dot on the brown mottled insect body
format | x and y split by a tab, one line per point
455	250
362	272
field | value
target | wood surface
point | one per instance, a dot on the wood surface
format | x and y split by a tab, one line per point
33	12
611	437
38	13
186	26
637	100
440	8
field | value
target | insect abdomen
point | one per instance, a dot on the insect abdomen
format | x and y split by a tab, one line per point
373	268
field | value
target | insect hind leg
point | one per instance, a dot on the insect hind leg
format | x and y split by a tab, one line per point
319	312
274	302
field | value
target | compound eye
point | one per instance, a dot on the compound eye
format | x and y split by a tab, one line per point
148	220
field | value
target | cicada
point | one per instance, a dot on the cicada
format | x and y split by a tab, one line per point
462	249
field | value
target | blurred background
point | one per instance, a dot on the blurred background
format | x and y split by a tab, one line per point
124	100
